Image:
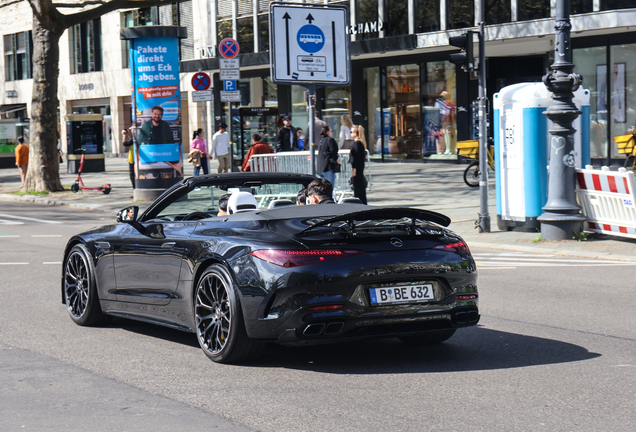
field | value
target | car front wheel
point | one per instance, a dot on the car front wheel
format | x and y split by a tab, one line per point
80	290
219	321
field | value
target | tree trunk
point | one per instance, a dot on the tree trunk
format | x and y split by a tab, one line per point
43	173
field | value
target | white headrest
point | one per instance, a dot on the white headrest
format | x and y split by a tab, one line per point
241	201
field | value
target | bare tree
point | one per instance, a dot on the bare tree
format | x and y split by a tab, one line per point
49	23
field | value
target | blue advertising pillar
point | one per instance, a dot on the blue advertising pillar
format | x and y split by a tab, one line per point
156	101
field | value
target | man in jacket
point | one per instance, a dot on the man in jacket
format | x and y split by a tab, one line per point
287	139
156	130
258	147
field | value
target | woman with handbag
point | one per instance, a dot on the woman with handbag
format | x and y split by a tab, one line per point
328	164
357	158
198	143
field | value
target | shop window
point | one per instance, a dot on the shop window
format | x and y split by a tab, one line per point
337	104
368	22
439	106
136	18
397	13
18	49
621	83
581	6
246	34
461	13
427	16
373	115
533	9
591	64
497	11
403	103
263	29
616	4
86	50
299	111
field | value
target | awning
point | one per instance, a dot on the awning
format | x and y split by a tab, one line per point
7	109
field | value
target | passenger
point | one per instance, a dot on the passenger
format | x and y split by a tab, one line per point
301	198
240	202
223	205
320	191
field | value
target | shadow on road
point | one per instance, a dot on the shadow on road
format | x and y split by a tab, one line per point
471	349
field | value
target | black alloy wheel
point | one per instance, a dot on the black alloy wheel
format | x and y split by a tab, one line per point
219	322
428	338
80	291
472	174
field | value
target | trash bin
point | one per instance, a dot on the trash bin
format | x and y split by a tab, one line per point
521	151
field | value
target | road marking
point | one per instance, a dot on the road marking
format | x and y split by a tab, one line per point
47	235
29	219
15	263
8	236
52	262
6	222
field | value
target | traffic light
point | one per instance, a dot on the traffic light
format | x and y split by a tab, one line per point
464	58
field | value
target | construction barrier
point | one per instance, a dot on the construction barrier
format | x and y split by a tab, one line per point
607	200
299	162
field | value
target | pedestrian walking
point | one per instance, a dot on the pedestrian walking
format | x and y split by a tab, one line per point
258	147
318	125
22	159
199	143
127	141
221	148
357	157
344	137
327	163
287	140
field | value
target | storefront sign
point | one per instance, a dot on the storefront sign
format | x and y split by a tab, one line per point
206	51
309	44
367	27
88	86
157	109
7	131
11	93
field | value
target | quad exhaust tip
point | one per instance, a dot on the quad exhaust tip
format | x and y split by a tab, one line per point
328	329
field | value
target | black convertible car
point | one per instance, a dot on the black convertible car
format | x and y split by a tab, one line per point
275	273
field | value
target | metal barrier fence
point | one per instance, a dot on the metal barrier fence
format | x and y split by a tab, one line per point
299	162
608	200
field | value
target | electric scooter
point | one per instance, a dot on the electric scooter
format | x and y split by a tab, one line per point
79	184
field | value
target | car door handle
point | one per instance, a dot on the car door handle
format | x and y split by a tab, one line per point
169	245
102	245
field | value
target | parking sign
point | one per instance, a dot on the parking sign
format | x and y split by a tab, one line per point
309	44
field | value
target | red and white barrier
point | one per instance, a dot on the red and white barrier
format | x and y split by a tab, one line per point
608	199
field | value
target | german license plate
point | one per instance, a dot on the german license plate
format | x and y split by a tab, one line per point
402	294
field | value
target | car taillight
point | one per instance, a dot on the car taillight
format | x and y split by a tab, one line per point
295	258
459	247
466	296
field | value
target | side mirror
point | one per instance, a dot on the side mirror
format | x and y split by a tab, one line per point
128	215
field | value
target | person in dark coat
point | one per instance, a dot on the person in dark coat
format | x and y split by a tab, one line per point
287	140
327	155
357	157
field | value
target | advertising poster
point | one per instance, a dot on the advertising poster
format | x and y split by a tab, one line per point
156	111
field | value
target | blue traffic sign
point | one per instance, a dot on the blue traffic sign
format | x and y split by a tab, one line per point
229	48
229	86
310	38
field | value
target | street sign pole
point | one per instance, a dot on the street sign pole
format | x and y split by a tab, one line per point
205	120
312	126
484	216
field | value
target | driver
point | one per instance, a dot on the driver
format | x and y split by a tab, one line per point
223	204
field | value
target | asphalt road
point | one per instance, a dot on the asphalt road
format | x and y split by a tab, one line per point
555	350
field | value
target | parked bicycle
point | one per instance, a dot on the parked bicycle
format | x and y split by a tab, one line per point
470	149
625	145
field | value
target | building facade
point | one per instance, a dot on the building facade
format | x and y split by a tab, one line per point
413	103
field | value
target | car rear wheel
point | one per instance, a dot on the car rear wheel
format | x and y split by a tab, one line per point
80	290
428	338
220	327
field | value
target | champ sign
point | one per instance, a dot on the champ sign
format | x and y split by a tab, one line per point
309	44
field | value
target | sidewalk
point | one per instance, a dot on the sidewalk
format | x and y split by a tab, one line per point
433	186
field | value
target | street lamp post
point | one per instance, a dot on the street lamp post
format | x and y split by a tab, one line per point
562	217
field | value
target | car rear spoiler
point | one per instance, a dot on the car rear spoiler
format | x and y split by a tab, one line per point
383	213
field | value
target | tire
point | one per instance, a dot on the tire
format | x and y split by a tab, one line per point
105	190
630	163
220	327
472	174
429	338
75	188
80	289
